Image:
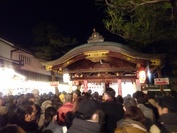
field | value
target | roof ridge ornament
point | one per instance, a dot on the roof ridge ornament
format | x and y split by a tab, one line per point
95	37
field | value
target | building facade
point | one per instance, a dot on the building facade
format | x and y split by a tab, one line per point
20	71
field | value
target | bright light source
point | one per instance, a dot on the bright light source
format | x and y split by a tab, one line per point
142	76
19	76
6	73
66	78
149	74
63	87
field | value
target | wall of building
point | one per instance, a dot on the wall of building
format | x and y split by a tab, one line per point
30	63
5	48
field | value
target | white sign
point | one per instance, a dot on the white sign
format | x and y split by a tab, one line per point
54	83
161	81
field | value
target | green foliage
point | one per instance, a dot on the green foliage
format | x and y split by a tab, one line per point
50	44
141	22
148	25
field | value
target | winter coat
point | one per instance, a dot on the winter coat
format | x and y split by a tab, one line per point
54	127
113	112
169	121
147	112
131	126
63	110
83	126
28	127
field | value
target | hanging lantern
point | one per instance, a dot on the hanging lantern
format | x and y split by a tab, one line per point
142	76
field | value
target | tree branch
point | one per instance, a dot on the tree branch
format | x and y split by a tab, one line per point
117	34
133	4
113	6
146	2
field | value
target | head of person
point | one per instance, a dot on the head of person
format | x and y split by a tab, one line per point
50	115
68	97
166	104
95	96
30	97
56	102
88	109
26	111
46	104
151	95
35	92
76	93
139	96
134	113
128	102
120	99
109	93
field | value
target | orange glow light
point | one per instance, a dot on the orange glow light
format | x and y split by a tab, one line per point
142	76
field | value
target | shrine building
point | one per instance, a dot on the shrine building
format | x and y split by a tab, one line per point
99	64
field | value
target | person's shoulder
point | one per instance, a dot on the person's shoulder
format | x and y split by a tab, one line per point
154	129
58	129
118	130
128	129
54	127
161	127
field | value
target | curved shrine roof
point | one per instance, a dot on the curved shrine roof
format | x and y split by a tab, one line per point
101	46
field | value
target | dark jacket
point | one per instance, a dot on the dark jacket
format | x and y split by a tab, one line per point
168	123
54	128
83	126
113	112
28	127
154	109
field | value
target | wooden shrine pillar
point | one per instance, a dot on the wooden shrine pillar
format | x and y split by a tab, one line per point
138	85
119	81
85	85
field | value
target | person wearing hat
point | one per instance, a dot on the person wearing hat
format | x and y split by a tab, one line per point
112	109
89	118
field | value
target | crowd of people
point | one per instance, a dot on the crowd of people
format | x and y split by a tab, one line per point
88	112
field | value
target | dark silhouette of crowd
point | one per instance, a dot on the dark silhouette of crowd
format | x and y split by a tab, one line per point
88	112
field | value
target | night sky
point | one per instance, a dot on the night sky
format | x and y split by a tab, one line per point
74	19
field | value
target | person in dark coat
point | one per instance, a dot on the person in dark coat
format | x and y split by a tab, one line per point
112	109
11	129
50	121
24	116
167	108
89	118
